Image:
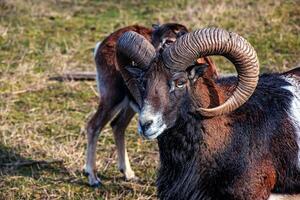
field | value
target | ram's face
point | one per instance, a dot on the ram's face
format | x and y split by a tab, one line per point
161	102
165	100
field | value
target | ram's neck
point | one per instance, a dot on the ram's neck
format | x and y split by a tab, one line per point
195	140
188	153
178	150
180	144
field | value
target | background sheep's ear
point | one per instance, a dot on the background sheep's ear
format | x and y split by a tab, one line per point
134	71
155	26
212	69
196	71
181	33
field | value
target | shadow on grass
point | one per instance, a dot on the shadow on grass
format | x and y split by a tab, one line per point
54	172
13	164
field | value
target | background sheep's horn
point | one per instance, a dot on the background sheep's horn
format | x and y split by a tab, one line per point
215	41
132	46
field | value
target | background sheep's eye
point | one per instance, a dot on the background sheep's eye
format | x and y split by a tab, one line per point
180	83
169	41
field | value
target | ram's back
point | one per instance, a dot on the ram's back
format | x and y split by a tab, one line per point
270	122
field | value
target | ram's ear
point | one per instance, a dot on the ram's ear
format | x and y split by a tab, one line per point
134	71
180	33
197	70
155	26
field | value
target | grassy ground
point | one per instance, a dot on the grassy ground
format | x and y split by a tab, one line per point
43	120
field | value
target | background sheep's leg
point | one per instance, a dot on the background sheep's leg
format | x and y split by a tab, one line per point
97	122
106	110
119	125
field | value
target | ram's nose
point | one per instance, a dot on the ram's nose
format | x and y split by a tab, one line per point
151	123
146	125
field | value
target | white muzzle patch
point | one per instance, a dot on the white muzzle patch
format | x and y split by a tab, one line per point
151	124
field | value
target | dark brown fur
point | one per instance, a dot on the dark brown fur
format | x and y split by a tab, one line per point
242	155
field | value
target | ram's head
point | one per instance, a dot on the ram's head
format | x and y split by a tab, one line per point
167	89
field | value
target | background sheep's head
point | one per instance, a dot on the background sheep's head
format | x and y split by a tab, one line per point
165	34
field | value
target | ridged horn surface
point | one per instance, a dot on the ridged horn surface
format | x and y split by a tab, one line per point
215	41
134	47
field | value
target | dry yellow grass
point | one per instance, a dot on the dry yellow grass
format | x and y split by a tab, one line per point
43	120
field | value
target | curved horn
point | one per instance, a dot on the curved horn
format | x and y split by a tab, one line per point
215	41
132	46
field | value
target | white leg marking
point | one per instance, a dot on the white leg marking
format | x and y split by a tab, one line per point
123	160
125	166
92	176
294	111
90	166
119	135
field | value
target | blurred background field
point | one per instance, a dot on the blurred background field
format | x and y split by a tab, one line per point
45	120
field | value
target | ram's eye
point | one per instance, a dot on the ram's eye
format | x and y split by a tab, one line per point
180	83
